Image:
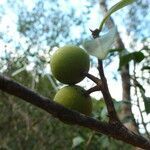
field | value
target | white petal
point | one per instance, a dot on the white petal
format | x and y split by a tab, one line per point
101	46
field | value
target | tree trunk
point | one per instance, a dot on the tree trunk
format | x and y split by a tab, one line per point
125	75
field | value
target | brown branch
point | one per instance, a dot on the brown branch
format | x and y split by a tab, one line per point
106	94
115	130
93	89
93	78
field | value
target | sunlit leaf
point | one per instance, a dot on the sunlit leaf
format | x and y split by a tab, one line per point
101	46
114	8
18	71
77	141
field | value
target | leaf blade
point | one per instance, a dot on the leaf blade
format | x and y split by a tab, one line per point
113	9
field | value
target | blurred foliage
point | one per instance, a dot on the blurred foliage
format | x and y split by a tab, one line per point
49	22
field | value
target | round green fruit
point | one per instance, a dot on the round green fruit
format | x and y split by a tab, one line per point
69	63
74	97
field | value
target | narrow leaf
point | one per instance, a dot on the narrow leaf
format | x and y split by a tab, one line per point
114	8
18	71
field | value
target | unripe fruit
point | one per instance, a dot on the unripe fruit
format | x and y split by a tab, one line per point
74	97
69	63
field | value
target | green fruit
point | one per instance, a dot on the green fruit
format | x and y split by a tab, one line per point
74	97
69	63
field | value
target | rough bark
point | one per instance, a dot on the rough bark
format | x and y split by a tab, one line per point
125	75
115	129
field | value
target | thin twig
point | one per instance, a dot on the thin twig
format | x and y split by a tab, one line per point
93	78
93	89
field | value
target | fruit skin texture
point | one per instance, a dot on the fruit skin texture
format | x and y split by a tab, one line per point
68	64
73	97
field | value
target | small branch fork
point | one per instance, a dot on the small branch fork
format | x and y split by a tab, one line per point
115	130
101	85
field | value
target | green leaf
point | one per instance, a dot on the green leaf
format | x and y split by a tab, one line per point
147	104
101	46
77	141
113	9
136	56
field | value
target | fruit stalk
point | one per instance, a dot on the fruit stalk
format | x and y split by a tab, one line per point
93	89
